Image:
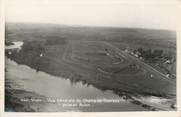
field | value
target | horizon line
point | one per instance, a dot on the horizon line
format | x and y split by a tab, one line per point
89	26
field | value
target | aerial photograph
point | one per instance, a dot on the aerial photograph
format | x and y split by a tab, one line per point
90	56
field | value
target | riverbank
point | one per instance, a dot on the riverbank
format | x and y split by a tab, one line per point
38	85
76	84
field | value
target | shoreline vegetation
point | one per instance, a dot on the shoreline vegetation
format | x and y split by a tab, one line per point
18	99
52	55
14	94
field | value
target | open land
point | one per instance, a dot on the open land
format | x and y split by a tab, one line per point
100	56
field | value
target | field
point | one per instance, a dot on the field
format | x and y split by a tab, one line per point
111	64
95	56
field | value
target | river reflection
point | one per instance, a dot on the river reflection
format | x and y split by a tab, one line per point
59	88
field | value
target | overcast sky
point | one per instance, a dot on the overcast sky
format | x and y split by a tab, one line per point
159	15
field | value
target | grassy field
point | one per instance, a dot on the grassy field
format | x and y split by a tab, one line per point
95	55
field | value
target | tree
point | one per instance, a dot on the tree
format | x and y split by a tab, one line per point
157	53
140	50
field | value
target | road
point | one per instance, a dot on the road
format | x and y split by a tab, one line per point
144	65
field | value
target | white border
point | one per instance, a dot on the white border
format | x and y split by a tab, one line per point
92	114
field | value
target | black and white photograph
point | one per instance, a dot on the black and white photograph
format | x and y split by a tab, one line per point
90	56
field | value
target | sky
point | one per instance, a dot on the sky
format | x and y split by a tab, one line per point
157	14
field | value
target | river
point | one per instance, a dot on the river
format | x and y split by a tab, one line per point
53	87
17	45
58	88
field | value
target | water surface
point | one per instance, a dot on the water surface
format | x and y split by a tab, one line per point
59	88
